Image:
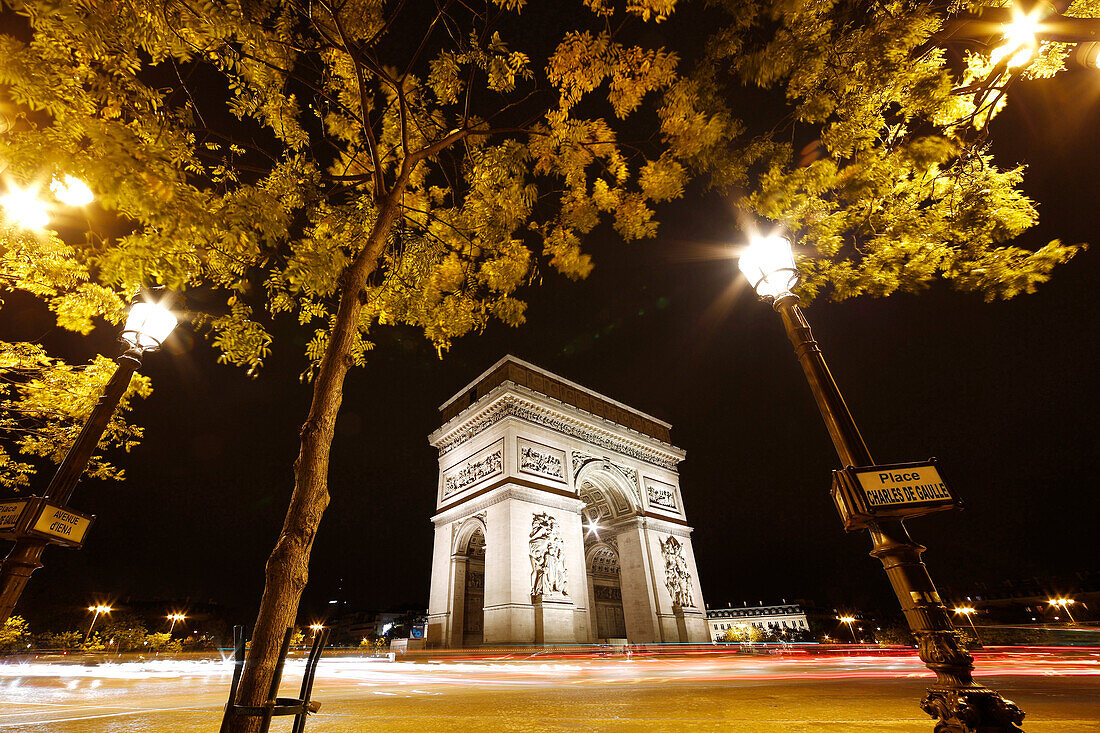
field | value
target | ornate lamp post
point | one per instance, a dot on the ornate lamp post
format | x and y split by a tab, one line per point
960	704
146	328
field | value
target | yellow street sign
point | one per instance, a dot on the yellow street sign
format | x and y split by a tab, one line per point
10	511
62	523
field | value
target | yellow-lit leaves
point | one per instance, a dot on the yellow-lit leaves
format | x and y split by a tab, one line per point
44	403
582	61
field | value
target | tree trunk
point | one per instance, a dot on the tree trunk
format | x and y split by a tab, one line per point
288	566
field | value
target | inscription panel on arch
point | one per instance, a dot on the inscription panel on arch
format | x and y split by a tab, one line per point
485	464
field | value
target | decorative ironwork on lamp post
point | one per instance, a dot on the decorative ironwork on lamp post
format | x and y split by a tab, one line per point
959	704
147	325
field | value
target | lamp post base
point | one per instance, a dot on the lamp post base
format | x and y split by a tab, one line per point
973	709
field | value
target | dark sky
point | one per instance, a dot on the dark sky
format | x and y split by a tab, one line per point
1003	394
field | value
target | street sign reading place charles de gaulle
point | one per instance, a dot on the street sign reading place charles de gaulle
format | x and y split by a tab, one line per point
892	491
36	517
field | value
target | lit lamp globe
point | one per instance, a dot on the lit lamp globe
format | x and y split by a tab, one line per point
768	264
147	326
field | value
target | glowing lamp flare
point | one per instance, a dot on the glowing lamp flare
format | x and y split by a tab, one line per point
768	264
72	191
592	528
24	208
148	325
1020	43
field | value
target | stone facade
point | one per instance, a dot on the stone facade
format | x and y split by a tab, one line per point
558	519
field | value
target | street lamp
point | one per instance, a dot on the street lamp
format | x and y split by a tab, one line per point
849	620
960	704
72	191
97	610
147	326
1020	40
969	612
27	210
24	208
1065	603
174	617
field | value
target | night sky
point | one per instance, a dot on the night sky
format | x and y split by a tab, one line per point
1002	394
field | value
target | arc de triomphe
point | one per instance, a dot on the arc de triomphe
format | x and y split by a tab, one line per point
558	519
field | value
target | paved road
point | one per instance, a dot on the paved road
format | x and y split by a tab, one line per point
705	692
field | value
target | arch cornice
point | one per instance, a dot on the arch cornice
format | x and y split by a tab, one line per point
510	400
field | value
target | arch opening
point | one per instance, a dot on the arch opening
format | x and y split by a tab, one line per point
606	592
473	591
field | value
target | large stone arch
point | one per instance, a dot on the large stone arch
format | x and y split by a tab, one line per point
529	461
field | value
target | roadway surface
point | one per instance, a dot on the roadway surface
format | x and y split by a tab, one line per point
706	691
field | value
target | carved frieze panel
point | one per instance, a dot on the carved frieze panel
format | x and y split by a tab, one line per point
661	495
677	575
547	549
485	464
541	460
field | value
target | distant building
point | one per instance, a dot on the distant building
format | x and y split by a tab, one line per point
799	616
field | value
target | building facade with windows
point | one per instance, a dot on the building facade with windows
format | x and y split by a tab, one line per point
799	616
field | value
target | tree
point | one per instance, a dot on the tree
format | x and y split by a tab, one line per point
125	632
879	161
743	634
44	404
65	640
14	634
162	642
355	166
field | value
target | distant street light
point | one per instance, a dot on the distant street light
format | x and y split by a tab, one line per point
174	617
1065	603
146	328
849	620
316	628
97	609
593	528
960	704
969	612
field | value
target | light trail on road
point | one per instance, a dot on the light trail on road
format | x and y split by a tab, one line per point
719	665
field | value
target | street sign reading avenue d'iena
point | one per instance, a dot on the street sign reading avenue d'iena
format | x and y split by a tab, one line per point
898	490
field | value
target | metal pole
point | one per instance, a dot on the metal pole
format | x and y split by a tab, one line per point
91	626
970	618
960	704
26	556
